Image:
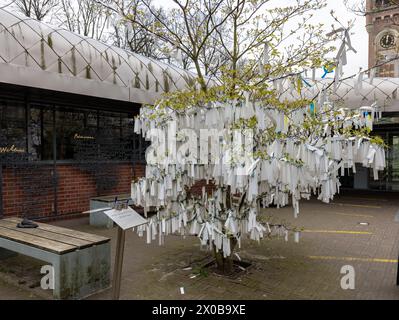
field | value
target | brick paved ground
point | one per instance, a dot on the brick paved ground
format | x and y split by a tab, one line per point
309	269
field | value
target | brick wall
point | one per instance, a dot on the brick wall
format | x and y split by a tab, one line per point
197	187
31	189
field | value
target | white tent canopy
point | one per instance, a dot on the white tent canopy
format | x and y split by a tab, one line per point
350	92
37	55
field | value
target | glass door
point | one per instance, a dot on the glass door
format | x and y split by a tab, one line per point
389	178
393	162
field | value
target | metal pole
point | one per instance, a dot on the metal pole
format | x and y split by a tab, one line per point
120	247
55	173
397	274
1	190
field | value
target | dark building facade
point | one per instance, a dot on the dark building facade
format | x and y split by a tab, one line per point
67	107
382	23
59	150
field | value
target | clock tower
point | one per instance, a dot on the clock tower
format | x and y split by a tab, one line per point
382	25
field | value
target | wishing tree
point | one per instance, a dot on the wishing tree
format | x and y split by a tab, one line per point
237	135
253	151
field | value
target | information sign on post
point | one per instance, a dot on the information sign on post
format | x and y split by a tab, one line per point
125	219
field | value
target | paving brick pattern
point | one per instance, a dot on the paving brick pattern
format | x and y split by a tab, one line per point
309	269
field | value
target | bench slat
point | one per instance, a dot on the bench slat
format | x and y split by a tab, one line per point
79	243
94	239
38	242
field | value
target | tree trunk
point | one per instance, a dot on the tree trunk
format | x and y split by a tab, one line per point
225	265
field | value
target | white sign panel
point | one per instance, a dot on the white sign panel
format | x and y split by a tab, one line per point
126	218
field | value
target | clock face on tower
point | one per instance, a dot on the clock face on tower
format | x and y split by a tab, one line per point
387	41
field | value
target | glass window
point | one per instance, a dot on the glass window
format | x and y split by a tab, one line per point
80	134
91	119
70	125
394	162
35	133
109	136
127	136
48	134
135	142
41	132
12	126
384	3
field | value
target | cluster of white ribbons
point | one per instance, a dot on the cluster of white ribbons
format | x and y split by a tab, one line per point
293	166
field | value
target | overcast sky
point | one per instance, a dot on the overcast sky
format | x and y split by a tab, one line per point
359	37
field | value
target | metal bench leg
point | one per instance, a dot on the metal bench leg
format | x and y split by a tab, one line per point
64	268
102	266
93	269
83	272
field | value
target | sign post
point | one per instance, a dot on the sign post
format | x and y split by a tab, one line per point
117	277
397	273
125	219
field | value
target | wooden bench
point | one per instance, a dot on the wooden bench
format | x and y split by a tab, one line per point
81	261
